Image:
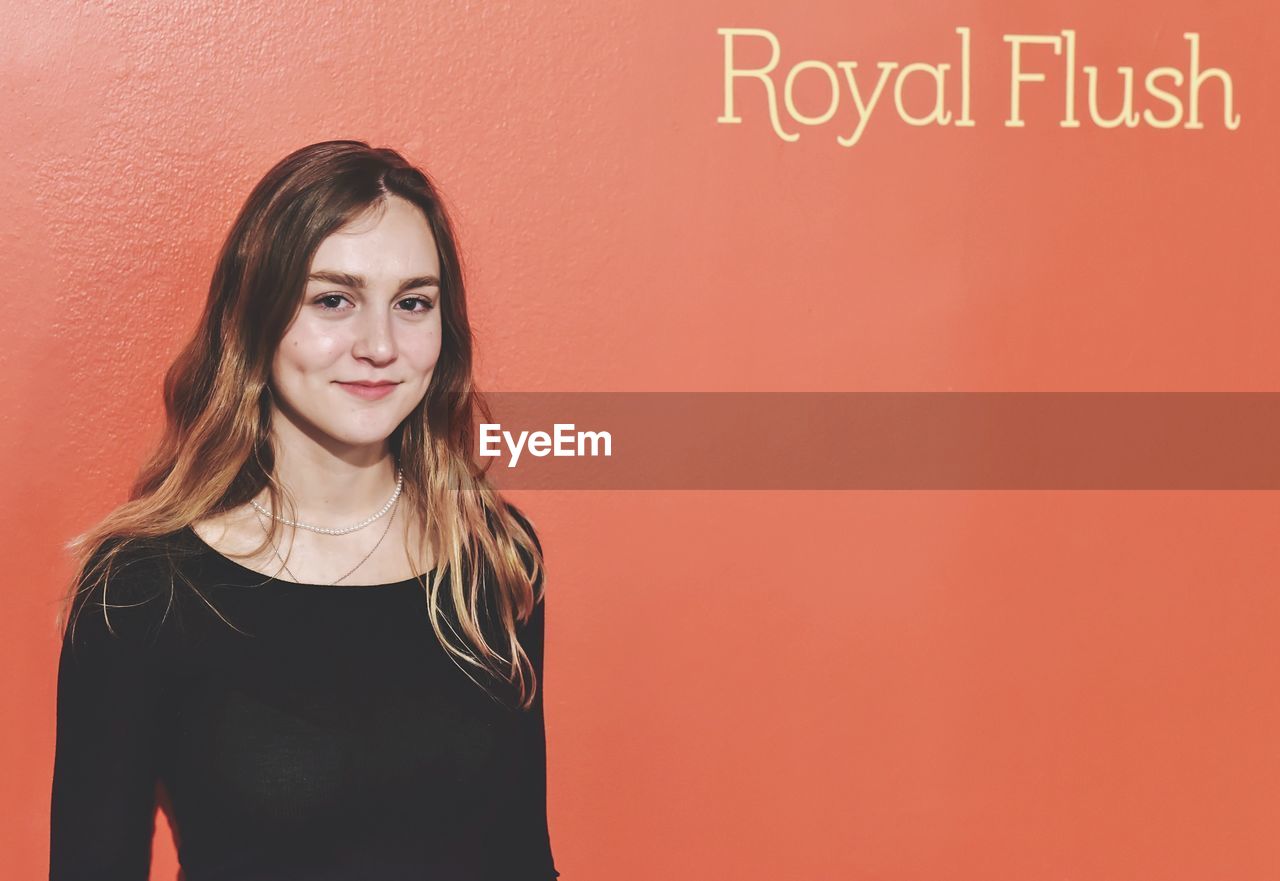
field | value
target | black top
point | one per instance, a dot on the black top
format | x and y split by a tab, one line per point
327	735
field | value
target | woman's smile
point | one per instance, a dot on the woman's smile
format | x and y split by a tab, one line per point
367	391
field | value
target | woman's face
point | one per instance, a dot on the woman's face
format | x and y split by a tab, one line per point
370	313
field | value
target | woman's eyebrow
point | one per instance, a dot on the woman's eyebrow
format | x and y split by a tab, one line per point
357	282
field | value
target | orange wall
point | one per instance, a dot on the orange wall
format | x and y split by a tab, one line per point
858	685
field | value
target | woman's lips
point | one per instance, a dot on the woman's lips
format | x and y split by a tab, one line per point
368	392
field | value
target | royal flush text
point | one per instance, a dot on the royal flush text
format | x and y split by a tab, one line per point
1041	67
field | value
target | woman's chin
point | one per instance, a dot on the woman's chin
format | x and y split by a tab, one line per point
366	435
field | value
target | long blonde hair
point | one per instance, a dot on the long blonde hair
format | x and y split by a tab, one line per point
215	454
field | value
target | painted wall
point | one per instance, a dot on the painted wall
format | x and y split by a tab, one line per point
740	685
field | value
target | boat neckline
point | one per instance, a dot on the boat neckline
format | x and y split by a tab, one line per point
254	573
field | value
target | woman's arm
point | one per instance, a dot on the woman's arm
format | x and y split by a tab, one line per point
108	740
530	844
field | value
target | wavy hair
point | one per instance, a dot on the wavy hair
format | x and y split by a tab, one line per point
215	453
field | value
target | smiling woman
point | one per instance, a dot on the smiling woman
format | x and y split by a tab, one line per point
311	697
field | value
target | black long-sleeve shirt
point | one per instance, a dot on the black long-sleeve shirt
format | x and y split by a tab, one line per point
318	732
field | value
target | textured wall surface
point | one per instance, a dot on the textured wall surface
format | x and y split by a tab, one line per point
916	685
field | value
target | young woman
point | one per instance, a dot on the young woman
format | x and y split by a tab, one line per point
313	632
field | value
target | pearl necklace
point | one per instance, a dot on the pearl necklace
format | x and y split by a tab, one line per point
343	531
276	548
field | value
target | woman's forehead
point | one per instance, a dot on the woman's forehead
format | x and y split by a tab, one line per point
394	244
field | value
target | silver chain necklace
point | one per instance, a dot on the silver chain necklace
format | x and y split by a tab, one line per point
275	548
325	530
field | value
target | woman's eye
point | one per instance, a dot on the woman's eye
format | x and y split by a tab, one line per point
427	305
323	301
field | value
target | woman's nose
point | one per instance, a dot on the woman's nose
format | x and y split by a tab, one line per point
376	339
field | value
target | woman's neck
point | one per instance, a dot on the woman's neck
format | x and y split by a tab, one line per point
334	490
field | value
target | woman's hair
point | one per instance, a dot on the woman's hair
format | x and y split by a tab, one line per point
216	454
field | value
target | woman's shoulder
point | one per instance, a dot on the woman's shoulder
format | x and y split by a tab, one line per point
524	521
135	563
531	564
127	587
